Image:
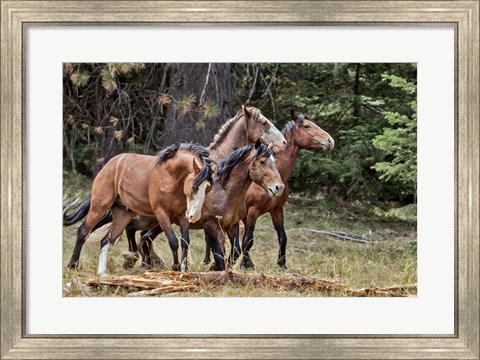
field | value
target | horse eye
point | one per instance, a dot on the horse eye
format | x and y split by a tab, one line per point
262	161
306	126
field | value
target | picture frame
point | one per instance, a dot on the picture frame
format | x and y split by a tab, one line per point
16	15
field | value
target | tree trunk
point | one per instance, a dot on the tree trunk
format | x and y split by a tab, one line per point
356	92
106	144
200	94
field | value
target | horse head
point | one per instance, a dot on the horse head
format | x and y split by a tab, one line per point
308	135
258	127
263	170
195	189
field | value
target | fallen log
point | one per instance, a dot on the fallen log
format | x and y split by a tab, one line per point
392	291
168	280
157	282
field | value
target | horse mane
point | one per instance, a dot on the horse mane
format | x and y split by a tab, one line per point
291	123
171	151
225	166
201	152
224	130
288	127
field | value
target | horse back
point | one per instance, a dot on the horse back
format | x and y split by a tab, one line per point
127	175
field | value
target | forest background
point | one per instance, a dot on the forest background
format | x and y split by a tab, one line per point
369	109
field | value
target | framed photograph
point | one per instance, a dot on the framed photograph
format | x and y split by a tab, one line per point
277	51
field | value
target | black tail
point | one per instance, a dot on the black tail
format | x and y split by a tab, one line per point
78	213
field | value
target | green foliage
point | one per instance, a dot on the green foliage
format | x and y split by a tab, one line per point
399	141
369	109
84	158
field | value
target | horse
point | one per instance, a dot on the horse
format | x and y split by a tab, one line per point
169	186
224	204
301	133
246	127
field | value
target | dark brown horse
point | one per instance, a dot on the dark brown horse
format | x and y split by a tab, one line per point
246	127
170	186
224	205
300	133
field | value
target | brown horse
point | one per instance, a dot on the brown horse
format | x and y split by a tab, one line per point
300	133
170	186
246	127
224	204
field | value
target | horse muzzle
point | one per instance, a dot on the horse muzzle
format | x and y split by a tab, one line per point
275	190
328	144
193	218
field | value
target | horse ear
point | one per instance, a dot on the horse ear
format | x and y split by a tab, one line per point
247	112
258	143
293	115
213	166
196	169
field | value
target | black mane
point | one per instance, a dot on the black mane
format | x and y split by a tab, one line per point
171	151
202	153
225	166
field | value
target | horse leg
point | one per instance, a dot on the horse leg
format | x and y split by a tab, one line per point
93	217
206	260
247	242
218	257
233	234
208	249
164	222
121	217
82	234
150	257
185	239
156	259
131	256
277	219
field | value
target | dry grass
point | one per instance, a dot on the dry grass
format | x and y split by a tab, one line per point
389	262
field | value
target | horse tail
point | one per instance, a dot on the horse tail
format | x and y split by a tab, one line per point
78	212
99	232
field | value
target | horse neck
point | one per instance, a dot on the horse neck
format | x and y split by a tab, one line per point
180	167
286	159
234	137
237	184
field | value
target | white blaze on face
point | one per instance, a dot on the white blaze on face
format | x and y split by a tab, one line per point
195	203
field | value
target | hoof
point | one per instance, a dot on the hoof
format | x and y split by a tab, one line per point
130	258
206	261
247	264
73	265
232	261
217	266
176	267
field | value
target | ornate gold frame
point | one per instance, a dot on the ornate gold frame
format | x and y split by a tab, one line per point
15	15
